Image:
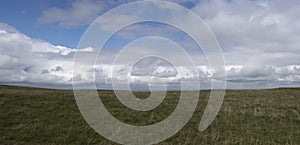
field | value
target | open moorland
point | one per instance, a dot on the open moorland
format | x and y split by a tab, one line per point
46	116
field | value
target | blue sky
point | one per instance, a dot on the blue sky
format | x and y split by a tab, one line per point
23	15
259	41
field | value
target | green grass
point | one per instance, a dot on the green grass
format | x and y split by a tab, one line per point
44	116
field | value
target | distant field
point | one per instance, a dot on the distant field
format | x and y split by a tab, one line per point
43	116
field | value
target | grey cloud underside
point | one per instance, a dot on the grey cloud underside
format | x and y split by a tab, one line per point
153	66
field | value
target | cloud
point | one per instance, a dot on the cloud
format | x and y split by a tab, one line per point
260	42
28	61
9	62
24	60
81	12
256	32
6	27
153	67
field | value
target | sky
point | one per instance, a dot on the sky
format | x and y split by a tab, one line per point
259	40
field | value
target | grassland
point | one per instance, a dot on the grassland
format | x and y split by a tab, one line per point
44	116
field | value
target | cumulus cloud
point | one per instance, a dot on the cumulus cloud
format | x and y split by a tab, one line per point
6	27
260	42
153	66
257	32
25	60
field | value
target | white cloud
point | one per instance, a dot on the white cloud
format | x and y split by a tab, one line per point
6	27
28	61
81	12
9	62
260	41
31	61
255	32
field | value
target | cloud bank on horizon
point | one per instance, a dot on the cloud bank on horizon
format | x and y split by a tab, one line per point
259	39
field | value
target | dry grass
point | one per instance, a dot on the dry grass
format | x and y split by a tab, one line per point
42	116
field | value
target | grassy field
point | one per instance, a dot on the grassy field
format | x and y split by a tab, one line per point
43	116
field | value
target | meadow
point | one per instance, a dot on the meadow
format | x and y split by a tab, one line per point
47	116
